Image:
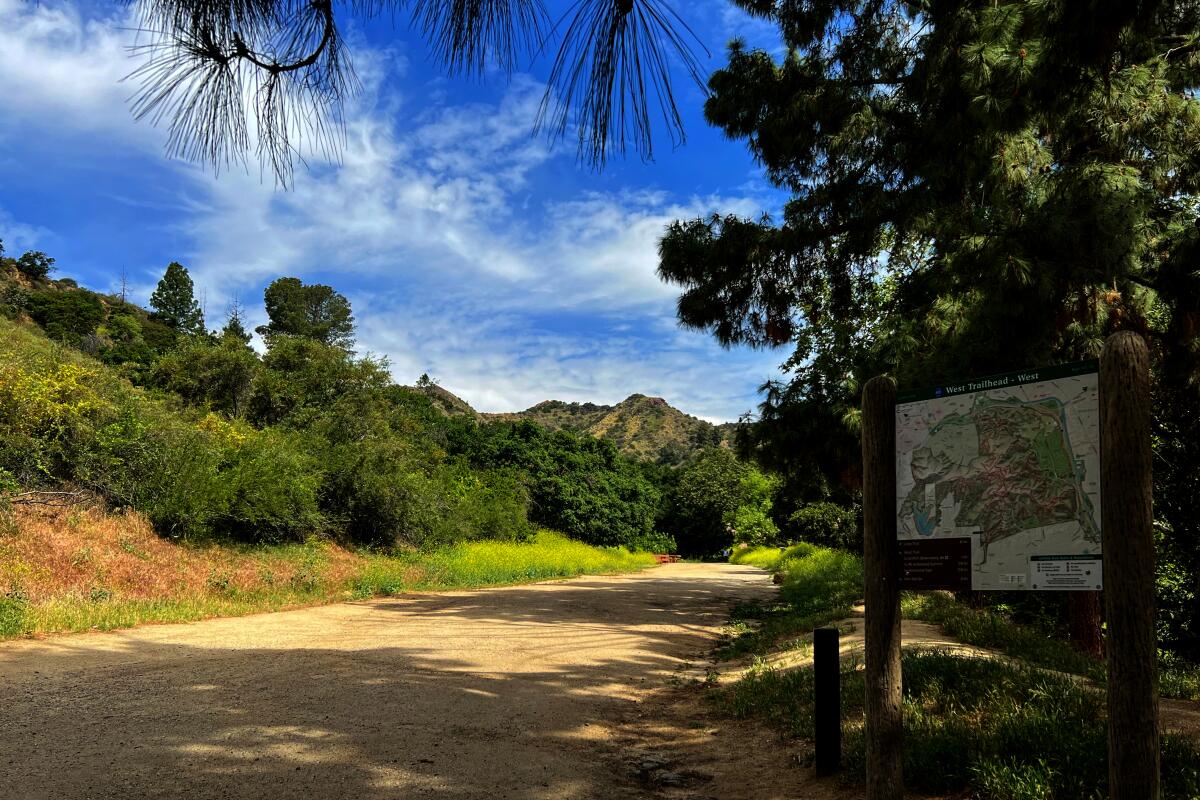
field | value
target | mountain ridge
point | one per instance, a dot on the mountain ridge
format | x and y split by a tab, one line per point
641	426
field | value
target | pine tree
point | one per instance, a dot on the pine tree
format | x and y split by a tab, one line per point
175	303
312	311
974	187
234	329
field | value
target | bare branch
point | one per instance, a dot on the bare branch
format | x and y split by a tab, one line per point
51	499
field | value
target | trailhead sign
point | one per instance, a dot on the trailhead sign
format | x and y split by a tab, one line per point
998	482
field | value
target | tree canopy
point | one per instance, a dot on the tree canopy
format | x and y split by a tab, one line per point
974	187
174	300
313	311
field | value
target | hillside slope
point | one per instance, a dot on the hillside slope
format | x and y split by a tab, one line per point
642	427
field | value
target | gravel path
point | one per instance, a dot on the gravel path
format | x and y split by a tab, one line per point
523	692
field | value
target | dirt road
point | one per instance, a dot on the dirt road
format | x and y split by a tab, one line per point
525	692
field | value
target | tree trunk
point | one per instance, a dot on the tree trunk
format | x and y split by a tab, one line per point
1127	529
881	561
1083	622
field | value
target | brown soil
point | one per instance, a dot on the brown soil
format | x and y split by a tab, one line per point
562	690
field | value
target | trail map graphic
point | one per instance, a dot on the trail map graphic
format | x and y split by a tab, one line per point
1011	463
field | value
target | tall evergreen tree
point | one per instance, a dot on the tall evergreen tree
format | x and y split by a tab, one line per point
234	329
174	301
312	311
974	187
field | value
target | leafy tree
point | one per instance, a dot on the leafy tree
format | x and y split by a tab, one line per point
35	265
577	484
974	188
175	303
303	378
215	375
826	524
750	522
66	315
126	345
313	311
702	503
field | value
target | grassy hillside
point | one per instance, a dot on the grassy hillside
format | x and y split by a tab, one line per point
642	427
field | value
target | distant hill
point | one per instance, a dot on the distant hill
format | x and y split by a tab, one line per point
643	427
445	400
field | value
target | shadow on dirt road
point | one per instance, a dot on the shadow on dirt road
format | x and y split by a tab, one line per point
505	693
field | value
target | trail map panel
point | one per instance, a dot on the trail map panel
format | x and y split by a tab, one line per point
1009	464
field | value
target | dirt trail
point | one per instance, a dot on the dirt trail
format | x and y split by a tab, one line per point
540	691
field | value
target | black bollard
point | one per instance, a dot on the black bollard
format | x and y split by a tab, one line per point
827	702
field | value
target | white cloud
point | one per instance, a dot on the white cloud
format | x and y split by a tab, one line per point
504	363
17	236
57	65
440	223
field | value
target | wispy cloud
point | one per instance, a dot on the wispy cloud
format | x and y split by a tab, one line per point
447	224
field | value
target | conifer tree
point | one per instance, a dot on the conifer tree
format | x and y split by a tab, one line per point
974	187
234	329
311	311
174	301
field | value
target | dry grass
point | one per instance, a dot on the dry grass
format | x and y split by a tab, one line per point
56	554
82	568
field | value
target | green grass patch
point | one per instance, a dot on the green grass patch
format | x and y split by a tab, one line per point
1046	649
1000	731
818	585
14	615
984	628
549	555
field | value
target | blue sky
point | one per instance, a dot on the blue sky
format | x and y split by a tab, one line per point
469	249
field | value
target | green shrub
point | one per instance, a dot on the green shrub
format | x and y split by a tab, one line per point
35	265
14	299
14	614
271	488
820	579
769	558
988	728
826	524
485	504
162	466
66	315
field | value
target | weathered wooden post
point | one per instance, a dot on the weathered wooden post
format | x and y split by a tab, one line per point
884	725
1128	544
827	700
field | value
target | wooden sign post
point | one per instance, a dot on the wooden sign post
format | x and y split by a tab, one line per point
1126	539
1127	527
881	562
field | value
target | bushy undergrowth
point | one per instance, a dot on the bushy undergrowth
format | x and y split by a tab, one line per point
1001	731
308	441
818	585
987	628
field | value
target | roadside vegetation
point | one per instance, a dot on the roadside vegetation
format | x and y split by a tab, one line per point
153	470
84	569
1014	728
211	439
